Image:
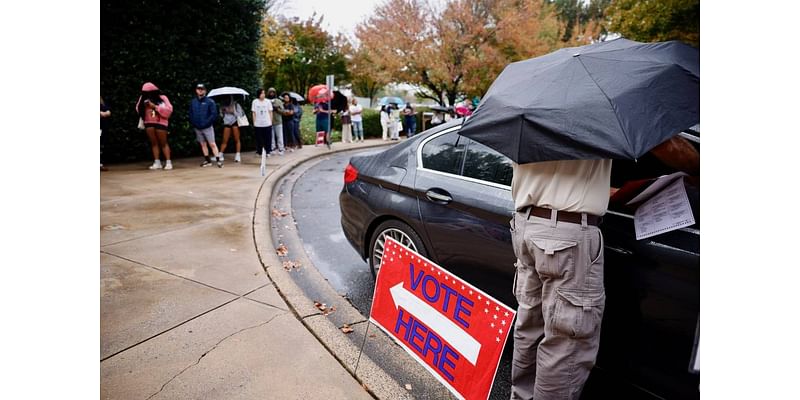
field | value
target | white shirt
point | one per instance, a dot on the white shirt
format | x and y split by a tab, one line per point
262	110
356	109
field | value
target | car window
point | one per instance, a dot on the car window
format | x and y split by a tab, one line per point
487	165
444	153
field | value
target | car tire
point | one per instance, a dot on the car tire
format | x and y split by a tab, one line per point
397	230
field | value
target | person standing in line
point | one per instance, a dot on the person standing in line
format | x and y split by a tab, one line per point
385	121
323	121
155	109
105	113
277	121
347	131
394	119
298	116
262	121
288	122
202	114
358	125
231	111
409	120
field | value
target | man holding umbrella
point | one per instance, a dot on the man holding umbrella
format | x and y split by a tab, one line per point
616	99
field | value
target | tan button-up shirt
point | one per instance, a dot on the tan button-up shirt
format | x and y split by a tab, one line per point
573	185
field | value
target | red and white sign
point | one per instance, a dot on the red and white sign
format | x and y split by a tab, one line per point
451	327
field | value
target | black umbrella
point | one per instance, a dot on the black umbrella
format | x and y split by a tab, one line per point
339	101
615	99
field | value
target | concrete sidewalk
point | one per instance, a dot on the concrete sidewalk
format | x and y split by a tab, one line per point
187	308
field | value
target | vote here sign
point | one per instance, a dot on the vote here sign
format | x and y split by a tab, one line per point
451	327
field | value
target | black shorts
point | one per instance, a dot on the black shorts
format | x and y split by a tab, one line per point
155	125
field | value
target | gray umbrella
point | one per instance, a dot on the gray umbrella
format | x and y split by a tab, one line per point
615	99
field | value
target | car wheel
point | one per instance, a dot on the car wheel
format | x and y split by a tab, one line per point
398	231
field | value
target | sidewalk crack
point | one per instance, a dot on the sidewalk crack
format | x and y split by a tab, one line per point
209	351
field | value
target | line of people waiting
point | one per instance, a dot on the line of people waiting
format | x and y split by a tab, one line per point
276	123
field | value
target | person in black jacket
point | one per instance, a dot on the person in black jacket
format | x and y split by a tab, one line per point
202	114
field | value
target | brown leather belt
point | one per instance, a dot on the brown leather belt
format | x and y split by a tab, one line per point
563	216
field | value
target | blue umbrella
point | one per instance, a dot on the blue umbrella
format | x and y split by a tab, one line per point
391	99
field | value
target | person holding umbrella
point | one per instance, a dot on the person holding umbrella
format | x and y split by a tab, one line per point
155	109
231	111
322	111
202	114
611	100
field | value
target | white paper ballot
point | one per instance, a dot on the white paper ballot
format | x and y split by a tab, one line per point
666	210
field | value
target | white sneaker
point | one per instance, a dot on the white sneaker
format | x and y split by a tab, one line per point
237	158
280	153
221	156
156	165
168	166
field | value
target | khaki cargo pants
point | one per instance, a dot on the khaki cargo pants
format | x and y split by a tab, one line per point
559	287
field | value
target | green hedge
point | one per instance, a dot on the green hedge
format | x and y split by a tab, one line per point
174	45
371	120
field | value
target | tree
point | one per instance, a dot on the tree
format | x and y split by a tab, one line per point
656	20
460	50
303	54
365	73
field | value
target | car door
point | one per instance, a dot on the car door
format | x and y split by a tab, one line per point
465	205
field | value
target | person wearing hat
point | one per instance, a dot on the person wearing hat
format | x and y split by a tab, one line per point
202	114
155	109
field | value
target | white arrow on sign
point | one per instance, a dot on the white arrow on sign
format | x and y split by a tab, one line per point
448	330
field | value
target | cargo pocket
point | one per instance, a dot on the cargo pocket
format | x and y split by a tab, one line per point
578	313
557	256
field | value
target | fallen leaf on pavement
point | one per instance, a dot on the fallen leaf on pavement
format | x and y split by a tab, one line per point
278	213
290	265
347	329
324	308
282	250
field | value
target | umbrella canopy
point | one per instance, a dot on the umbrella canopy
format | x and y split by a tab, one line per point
391	99
339	101
226	90
296	97
615	99
319	94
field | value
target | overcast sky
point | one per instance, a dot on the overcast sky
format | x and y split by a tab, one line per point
340	16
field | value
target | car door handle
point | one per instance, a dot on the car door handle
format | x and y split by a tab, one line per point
438	197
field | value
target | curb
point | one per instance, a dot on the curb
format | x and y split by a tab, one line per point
372	377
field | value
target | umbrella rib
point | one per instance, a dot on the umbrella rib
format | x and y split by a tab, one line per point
624	134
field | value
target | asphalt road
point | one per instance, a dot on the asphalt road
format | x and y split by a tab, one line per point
315	203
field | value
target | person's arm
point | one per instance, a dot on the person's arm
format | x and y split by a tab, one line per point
165	108
678	153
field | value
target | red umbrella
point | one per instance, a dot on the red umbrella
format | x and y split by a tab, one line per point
319	94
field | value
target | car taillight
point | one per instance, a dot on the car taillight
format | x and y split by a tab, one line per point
350	174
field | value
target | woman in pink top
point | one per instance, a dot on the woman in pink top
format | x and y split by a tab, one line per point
155	109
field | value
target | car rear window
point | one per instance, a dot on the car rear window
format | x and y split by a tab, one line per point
445	153
487	165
